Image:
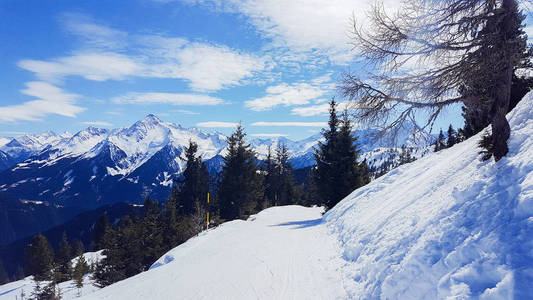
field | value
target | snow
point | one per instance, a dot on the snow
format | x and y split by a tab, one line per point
447	226
13	290
280	253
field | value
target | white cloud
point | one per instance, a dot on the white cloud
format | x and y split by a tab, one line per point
49	100
316	110
287	95
307	29
93	35
167	98
110	54
216	124
98	123
206	67
309	111
269	135
290	124
185	112
91	66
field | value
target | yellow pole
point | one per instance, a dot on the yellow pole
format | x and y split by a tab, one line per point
207	225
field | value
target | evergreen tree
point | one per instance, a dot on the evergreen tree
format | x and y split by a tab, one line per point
63	260
40	258
151	234
338	172
100	228
194	186
405	156
452	139
241	186
80	269
284	188
439	143
271	179
77	247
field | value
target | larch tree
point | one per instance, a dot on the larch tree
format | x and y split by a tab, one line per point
427	52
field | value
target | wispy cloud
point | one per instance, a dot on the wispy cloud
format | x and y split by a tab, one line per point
316	110
94	66
185	112
167	98
97	123
216	124
290	124
49	100
269	135
288	95
110	54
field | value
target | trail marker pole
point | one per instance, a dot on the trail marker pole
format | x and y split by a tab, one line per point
207	224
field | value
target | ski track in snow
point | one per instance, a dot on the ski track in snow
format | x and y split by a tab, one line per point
280	253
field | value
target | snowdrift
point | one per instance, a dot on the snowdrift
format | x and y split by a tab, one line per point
447	226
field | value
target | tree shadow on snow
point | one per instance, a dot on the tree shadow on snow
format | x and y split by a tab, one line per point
301	224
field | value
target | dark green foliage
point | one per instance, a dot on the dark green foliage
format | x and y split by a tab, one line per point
102	224
80	269
270	180
439	143
486	145
338	171
194	186
405	156
40	258
77	247
452	139
48	291
241	186
62	260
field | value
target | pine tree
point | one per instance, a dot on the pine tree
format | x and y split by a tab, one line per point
405	156
285	193
80	269
338	172
241	186
452	139
271	179
151	234
40	258
101	226
63	259
77	247
194	186
439	143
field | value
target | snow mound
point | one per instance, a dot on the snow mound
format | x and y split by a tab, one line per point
447	226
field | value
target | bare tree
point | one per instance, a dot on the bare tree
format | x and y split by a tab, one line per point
427	52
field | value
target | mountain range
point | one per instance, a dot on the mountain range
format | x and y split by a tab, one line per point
100	166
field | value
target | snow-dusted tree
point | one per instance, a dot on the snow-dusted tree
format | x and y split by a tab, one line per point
426	53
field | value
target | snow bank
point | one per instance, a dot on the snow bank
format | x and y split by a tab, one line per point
447	226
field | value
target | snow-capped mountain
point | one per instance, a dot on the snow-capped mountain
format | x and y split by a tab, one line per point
98	166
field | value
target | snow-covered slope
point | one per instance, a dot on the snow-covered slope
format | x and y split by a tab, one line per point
280	253
447	226
14	290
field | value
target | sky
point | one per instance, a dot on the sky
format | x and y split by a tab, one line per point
270	64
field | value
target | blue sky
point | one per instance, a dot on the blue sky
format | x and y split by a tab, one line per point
270	64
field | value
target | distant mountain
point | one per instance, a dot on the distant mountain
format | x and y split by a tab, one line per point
96	166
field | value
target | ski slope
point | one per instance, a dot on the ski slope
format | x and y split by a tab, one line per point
280	253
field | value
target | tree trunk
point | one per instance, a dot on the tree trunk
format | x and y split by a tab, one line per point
501	130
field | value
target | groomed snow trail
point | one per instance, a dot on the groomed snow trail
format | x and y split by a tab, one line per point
280	253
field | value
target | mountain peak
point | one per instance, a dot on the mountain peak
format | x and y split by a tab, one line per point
152	119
